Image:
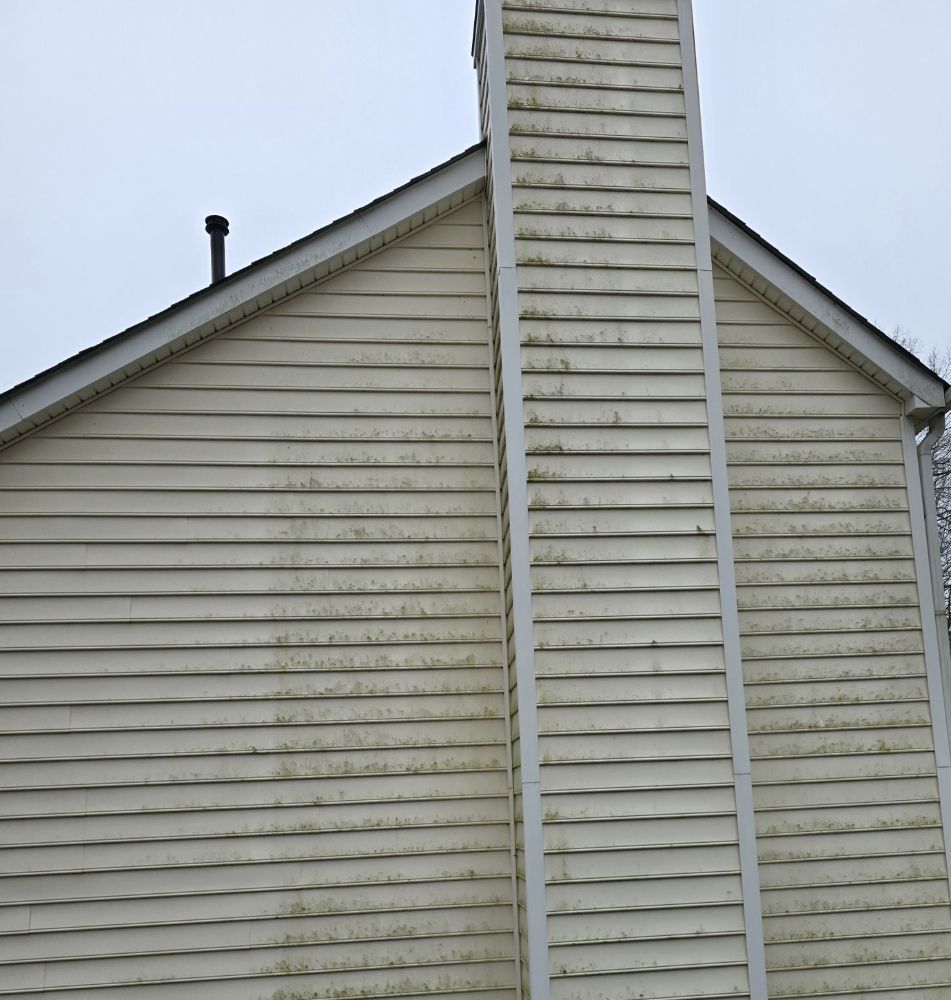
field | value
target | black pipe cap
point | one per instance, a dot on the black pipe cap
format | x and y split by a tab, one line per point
216	224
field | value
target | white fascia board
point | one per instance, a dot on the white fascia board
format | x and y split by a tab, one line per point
239	297
830	314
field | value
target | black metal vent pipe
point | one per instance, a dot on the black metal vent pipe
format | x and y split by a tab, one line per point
217	228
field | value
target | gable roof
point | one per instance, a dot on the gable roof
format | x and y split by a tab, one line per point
241	295
793	291
267	281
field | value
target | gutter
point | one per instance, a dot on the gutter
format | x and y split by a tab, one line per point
926	475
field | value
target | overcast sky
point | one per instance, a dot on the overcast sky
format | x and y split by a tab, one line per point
826	128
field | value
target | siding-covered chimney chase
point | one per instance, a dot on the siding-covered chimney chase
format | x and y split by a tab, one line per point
596	279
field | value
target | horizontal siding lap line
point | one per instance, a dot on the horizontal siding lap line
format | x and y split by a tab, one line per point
283	860
277	618
851	883
548	702
583	561
647	848
542	536
625	293
542	262
270	723
695	936
837	679
271	917
863	628
344	365
528	131
336	341
623	790
666	644
372	293
670	967
267	976
864	856
850	805
648	877
226	807
314	942
529	156
566	83
845	779
552	30
824	753
518	104
659	786
633	374
301	591
646	906
645	730
151	411
660	588
537	184
246	464
262	644
445	990
315	313
832	936
502	874
561	8
535	236
529	56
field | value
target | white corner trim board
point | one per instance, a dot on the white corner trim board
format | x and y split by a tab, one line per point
736	698
499	172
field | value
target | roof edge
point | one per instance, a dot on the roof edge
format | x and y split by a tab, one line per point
239	296
924	390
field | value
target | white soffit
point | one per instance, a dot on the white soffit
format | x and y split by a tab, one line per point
241	295
771	276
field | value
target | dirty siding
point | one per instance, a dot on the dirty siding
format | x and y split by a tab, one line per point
254	695
640	835
851	853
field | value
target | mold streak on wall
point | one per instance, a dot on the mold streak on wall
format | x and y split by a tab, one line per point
851	853
253	692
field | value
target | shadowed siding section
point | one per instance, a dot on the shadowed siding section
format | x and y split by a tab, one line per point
854	882
253	688
640	837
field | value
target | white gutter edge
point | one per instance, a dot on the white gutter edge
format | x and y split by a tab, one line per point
931	639
499	169
807	296
729	613
234	301
930	513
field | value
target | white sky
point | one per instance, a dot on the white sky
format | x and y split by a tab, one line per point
826	127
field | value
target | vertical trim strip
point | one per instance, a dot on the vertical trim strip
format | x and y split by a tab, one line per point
932	536
506	678
739	737
499	168
929	629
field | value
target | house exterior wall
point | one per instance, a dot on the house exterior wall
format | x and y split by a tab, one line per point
597	313
254	687
414	637
851	850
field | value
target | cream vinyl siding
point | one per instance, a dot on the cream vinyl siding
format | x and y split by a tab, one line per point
253	690
851	852
640	837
